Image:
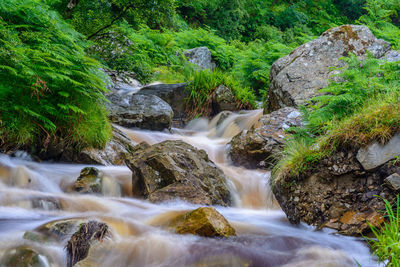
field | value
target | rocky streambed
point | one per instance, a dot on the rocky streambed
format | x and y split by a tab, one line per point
44	206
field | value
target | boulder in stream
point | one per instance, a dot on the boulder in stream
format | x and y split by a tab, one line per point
23	256
89	181
297	77
140	111
254	148
205	221
174	169
79	244
174	94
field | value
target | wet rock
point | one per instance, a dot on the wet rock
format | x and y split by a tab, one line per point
206	221
114	153
79	244
174	169
200	56
254	148
122	82
393	182
377	154
174	94
47	203
23	256
224	99
140	111
57	230
221	117
347	198
296	78
89	181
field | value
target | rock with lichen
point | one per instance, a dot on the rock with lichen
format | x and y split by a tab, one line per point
297	77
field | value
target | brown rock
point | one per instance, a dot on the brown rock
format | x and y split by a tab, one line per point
89	181
174	169
23	256
206	221
255	148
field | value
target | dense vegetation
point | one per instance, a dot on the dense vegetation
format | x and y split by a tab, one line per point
49	86
52	52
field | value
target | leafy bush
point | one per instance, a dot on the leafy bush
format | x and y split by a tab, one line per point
48	85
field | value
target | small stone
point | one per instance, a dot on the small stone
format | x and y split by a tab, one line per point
323	207
205	221
393	182
296	199
89	181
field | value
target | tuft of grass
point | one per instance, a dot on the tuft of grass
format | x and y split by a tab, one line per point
387	243
203	84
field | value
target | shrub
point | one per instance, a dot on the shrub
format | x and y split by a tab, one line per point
49	87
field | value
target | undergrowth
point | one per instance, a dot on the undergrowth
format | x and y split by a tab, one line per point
49	87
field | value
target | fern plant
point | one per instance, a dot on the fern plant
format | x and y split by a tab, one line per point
48	86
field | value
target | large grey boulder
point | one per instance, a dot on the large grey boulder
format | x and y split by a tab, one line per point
297	77
140	111
377	154
200	56
174	94
174	169
255	148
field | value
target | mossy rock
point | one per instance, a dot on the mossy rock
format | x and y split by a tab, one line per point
23	256
89	181
205	221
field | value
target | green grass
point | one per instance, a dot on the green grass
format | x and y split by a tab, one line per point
387	243
202	86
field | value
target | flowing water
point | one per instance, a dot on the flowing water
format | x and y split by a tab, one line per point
33	194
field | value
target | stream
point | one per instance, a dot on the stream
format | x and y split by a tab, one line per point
33	194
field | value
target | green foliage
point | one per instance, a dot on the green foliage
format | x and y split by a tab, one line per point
48	84
387	242
359	81
202	85
380	17
253	63
354	112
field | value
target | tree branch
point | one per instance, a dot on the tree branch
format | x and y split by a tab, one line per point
123	12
